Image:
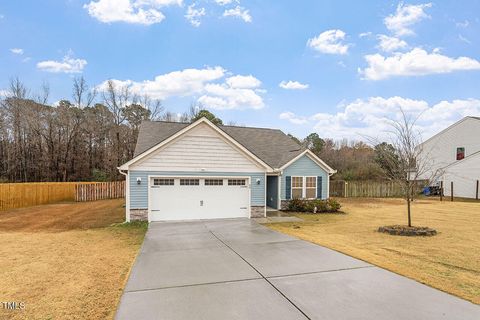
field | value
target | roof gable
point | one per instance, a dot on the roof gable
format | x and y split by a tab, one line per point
181	131
314	158
459	122
272	146
198	149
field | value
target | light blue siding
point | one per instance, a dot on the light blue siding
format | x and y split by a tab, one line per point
139	192
305	166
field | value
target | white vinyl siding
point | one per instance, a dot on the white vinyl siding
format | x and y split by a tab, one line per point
441	150
200	149
464	175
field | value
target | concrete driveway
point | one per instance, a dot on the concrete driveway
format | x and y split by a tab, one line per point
238	269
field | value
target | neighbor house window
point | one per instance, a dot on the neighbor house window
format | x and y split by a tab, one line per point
214	182
236	182
163	182
189	182
297	187
460	153
310	187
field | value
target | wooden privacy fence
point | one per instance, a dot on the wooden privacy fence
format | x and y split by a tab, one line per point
19	195
367	189
99	191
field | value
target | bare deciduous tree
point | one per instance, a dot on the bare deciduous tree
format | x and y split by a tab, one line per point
82	96
405	160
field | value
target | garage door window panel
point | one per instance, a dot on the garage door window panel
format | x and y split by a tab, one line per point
236	182
189	182
214	182
163	182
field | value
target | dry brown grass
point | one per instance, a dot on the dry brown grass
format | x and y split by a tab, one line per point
66	261
449	261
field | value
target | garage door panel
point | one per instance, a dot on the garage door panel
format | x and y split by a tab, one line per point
211	199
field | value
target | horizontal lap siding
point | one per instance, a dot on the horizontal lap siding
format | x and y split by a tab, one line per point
139	193
304	167
200	148
464	176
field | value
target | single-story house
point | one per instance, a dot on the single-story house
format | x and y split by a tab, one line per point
183	171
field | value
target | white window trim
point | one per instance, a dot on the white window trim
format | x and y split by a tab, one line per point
304	186
291	186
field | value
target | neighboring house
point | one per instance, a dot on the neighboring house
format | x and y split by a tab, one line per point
453	155
183	171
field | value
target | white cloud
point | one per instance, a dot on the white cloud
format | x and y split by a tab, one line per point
238	12
389	44
463	24
330	41
177	83
130	11
363	119
193	15
16	51
235	92
224	2
405	17
463	39
365	34
244	82
416	62
222	96
238	92
67	65
292	85
293	118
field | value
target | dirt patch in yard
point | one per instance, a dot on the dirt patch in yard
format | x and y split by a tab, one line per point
448	261
66	261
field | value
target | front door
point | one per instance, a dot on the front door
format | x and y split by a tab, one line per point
272	191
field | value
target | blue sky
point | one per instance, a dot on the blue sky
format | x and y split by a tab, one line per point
339	68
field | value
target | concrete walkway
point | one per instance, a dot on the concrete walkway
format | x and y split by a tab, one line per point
238	269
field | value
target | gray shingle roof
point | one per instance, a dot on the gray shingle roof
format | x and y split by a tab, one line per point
272	146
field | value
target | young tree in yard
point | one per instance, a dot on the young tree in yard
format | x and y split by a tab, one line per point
401	160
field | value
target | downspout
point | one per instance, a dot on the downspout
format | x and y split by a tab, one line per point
127	194
328	183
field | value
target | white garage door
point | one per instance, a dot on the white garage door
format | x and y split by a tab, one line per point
198	198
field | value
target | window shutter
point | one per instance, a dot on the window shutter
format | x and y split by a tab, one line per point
319	187
288	187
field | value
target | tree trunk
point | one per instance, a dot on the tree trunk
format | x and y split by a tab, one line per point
408	204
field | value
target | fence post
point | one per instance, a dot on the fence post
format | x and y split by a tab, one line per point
476	194
451	191
441	190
